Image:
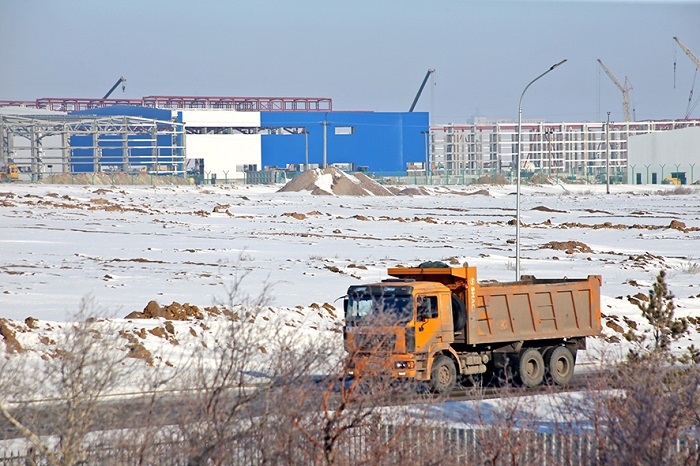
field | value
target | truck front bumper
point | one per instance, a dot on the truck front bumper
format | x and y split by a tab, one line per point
398	366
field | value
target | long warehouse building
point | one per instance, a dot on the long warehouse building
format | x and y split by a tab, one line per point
222	143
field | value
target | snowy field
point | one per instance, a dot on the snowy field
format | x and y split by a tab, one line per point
127	245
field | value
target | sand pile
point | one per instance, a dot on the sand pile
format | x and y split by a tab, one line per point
332	181
113	179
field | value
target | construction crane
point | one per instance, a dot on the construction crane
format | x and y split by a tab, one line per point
420	91
697	67
122	81
624	89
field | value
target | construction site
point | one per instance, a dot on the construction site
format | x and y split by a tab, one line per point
261	140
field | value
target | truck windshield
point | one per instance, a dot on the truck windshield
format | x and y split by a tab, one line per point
379	305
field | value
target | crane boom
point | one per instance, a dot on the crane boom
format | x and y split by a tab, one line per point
420	91
624	89
121	80
688	52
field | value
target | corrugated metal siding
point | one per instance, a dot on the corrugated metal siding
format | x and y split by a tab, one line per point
385	142
662	154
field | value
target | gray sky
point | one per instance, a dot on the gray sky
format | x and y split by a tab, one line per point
364	54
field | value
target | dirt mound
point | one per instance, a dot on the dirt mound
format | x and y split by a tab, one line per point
677	225
480	192
10	337
492	179
413	191
174	311
540	178
334	181
569	247
542	208
113	179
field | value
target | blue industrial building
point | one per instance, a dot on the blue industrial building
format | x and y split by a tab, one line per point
231	142
381	141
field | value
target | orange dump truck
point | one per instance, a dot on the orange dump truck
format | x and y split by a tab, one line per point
441	325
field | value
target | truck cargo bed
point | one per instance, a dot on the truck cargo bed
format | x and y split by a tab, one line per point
534	310
529	309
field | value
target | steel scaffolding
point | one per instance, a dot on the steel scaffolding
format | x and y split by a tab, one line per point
565	150
52	144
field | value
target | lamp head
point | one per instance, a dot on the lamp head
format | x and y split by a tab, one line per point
560	63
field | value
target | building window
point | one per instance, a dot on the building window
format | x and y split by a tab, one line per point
344	130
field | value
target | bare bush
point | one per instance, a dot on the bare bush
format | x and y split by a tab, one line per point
644	410
690	266
84	367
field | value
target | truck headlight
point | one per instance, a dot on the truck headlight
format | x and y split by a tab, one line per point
404	365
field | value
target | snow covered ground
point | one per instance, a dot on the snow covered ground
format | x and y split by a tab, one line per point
124	246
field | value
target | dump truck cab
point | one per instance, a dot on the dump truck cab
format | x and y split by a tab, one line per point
393	327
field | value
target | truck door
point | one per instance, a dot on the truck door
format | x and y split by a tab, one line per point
428	323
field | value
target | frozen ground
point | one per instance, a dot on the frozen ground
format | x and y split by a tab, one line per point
125	246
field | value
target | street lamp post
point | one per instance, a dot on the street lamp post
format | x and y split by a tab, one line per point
517	172
427	157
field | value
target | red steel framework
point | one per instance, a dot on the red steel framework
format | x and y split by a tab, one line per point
241	104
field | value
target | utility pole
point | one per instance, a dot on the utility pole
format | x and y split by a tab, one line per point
607	155
306	139
427	156
325	139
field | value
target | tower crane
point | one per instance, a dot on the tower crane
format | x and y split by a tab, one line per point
697	67
122	81
624	89
420	91
688	52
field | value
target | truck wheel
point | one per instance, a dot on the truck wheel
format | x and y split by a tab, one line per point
531	367
459	313
443	376
561	365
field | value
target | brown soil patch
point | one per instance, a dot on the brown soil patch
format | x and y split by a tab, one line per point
174	311
295	215
542	208
413	191
135	348
615	326
569	247
10	338
491	179
114	179
677	225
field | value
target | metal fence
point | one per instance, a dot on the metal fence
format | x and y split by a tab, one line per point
382	445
